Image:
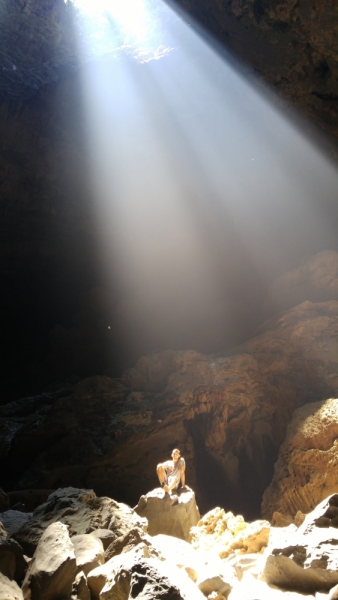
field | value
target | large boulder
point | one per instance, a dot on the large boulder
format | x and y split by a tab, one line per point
306	561
82	511
89	552
9	590
52	570
307	466
172	514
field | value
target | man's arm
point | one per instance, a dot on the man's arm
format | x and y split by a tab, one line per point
182	470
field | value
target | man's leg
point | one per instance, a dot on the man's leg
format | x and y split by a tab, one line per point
161	474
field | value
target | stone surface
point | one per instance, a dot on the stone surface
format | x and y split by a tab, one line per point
80	590
53	569
147	578
180	553
315	280
305	472
3	532
9	590
307	561
82	511
222	534
12	520
126	542
89	552
227	414
12	562
172	514
105	535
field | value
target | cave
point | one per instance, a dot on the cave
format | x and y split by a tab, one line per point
167	195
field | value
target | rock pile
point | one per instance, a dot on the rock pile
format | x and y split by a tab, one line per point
81	547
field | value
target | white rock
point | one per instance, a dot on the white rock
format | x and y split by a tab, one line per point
89	552
9	590
52	570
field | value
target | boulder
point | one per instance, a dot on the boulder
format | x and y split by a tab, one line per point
305	472
222	534
172	514
12	562
89	552
307	560
80	589
150	578
9	590
52	571
179	553
105	535
82	511
12	520
99	577
127	542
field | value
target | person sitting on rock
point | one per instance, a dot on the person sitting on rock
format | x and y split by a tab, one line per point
172	472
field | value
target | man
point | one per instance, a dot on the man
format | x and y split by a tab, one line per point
172	472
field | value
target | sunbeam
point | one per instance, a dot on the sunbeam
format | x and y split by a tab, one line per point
201	183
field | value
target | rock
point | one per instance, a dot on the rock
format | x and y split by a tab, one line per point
9	590
315	280
222	533
12	562
126	542
52	571
13	520
105	535
305	472
82	512
252	589
80	590
213	580
307	561
172	514
89	552
151	372
149	578
98	578
180	553
3	532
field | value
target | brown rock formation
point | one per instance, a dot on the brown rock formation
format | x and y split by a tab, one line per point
306	470
228	415
315	280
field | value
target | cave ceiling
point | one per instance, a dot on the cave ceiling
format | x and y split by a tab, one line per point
49	247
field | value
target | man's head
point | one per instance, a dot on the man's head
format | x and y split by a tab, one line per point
175	454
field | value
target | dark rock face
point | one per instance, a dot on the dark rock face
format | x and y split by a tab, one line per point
227	415
292	45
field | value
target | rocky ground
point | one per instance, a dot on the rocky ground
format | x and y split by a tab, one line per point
77	546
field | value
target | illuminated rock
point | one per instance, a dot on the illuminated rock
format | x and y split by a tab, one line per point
172	514
9	590
307	561
82	512
89	552
305	472
222	534
53	568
